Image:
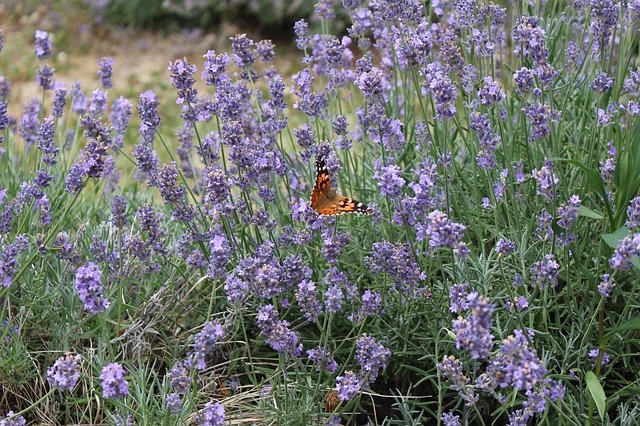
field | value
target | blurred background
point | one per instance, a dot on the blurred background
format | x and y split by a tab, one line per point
141	35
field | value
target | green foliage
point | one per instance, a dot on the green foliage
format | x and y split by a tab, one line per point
175	14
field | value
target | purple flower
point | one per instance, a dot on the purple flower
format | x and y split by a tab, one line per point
43	44
322	359
5	88
481	125
214	72
220	255
604	16
301	30
44	77
505	246
545	272
516	364
568	213
348	385
277	332
333	243
181	73
307	298
528	39
449	419
373	84
59	99
28	125
451	369
399	262
440	231
390	181
458	297
594	353
167	179
540	116
546	181
444	92
12	420
490	93
204	342
179	378
524	80
174	403
148	112
372	358
601	83
242	48
546	75
9	259
633	214
45	141
119	212
473	333
89	288
114	385
333	299
264	49
105	72
119	117
79	102
213	414
65	372
98	102
627	248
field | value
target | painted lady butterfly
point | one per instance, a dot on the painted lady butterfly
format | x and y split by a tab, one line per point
326	201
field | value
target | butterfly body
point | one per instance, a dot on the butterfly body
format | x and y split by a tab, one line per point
326	201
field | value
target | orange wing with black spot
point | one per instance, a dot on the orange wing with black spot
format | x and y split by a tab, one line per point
326	201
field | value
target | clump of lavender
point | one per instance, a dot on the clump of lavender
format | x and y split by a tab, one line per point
9	259
389	179
627	248
277	332
601	83
173	402
399	262
546	181
633	214
44	77
458	298
64	374
42	44
595	353
606	285
372	358
213	415
348	385
11	419
440	231
105	72
203	344
114	384
490	93
541	115
89	288
473	332
322	359
545	272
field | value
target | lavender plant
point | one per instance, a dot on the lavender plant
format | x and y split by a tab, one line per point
496	279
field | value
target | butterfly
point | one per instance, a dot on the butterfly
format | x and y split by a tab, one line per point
326	201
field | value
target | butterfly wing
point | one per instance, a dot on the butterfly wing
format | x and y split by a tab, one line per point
324	199
341	205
